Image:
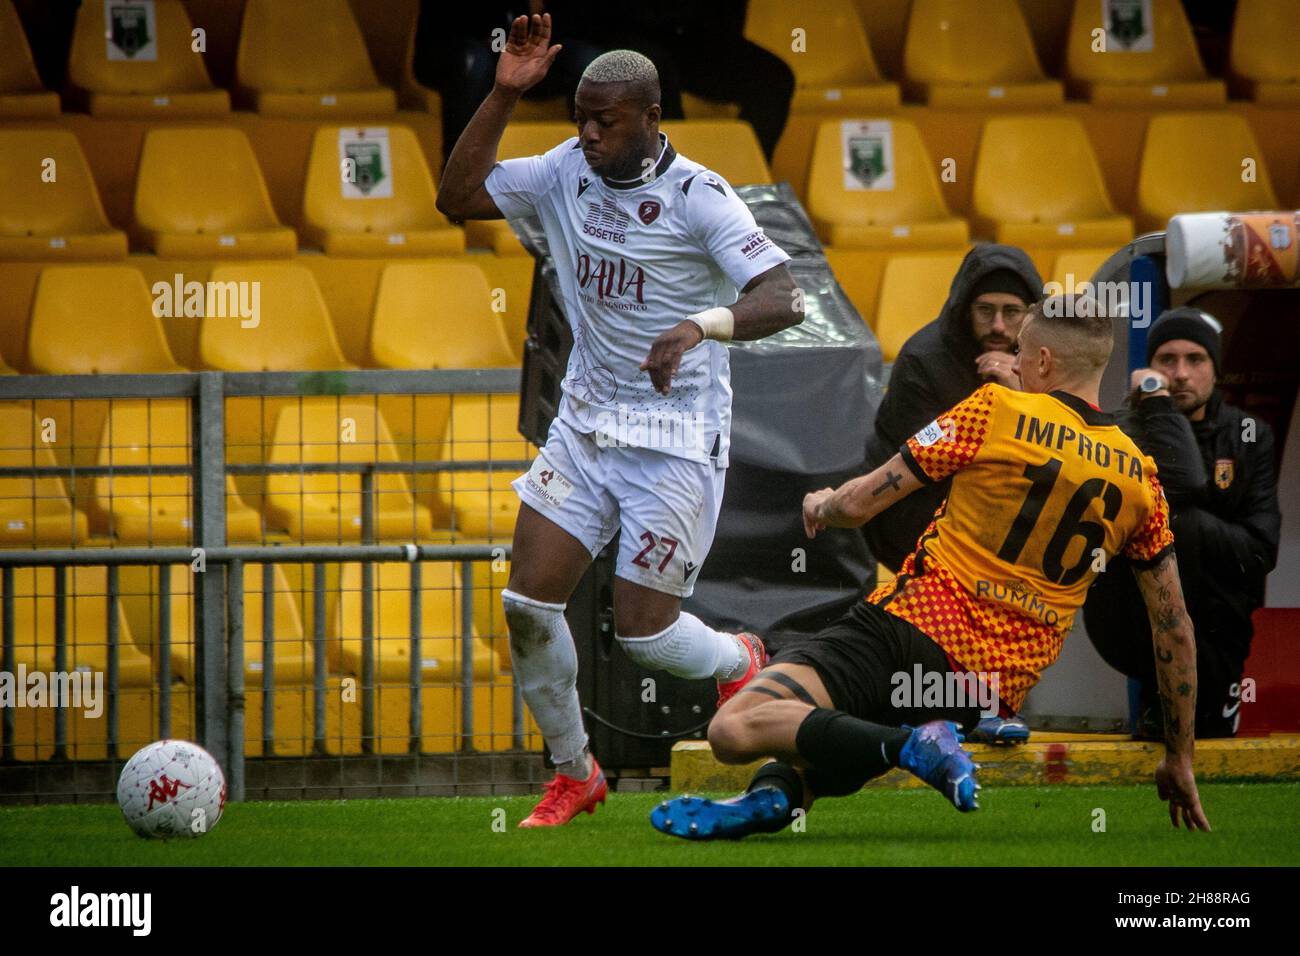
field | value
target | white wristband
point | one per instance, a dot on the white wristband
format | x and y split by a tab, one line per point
717	323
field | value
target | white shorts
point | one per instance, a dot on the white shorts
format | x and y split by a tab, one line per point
666	506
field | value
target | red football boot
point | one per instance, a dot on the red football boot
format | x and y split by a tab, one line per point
566	798
757	661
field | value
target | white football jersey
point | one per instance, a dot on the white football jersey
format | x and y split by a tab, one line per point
634	259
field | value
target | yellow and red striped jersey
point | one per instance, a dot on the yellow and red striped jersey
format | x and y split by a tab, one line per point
1045	489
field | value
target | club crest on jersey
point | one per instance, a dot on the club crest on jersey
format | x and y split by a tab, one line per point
648	211
1224	472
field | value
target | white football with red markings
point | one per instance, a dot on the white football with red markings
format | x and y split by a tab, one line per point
171	789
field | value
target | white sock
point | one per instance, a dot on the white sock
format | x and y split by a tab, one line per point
690	648
545	664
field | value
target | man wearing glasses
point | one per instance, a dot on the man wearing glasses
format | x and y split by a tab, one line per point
972	341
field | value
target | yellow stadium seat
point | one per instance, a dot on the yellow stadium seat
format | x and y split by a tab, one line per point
157	509
511	279
307	58
440	658
21	94
833	66
1075	266
728	147
913	289
519	139
962	54
87	652
467	333
483	428
86	620
1147	65
1037	185
293	331
391	214
166	78
73	308
858	272
908	214
34	512
199	194
292	654
51	210
440	624
291	670
327	506
464	332
1265	53
1193	162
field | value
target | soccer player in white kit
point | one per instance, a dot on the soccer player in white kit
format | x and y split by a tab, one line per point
650	249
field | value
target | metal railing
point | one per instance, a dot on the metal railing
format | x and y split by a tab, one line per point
219	692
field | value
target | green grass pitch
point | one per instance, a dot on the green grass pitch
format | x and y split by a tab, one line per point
1254	824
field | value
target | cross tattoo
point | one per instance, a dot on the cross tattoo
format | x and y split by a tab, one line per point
891	481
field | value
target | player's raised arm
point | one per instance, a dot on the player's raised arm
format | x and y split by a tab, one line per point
524	61
1174	643
769	303
856	502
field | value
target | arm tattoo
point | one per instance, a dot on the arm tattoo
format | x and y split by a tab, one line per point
1171	634
891	481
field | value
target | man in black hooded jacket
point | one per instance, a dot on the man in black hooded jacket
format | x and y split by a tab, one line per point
1217	467
970	343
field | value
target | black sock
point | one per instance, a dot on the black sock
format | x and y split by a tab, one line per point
845	752
785	778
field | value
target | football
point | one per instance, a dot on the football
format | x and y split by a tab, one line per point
171	789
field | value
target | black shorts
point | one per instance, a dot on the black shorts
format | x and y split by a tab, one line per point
858	658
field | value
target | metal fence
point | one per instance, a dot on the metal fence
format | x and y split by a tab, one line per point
238	689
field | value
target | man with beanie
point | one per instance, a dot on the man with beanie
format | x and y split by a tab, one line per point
970	342
1219	473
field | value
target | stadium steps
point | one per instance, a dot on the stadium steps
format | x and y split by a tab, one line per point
1048	758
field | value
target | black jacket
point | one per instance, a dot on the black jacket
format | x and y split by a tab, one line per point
934	371
1222	492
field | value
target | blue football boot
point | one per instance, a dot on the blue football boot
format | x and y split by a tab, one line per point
763	810
1000	730
934	754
